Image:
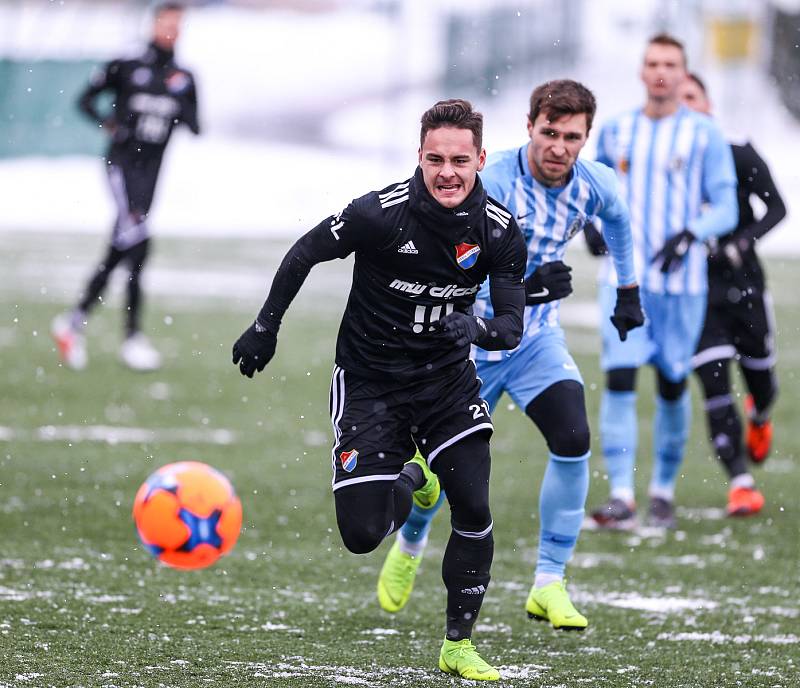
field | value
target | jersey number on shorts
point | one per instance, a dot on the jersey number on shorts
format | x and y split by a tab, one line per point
479	410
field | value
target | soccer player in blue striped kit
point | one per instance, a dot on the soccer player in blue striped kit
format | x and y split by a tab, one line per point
679	180
552	194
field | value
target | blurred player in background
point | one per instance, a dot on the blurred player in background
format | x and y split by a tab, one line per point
150	95
739	324
678	177
552	194
403	376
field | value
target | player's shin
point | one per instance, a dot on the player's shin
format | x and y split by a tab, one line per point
561	508
619	435
465	571
413	536
725	431
670	433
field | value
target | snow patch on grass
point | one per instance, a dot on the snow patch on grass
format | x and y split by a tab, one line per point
717	637
119	434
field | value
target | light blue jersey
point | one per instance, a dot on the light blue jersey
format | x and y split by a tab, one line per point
676	173
549	217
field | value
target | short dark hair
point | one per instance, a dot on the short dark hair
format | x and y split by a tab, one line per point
169	7
455	113
694	77
562	97
667	39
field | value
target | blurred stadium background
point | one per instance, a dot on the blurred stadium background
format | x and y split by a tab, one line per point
328	92
305	104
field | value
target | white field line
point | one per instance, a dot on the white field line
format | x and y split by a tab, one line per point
118	434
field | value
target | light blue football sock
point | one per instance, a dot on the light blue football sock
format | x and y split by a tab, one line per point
418	523
561	502
670	433
619	434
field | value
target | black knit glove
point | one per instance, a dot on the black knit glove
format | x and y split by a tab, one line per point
628	313
673	251
254	349
549	282
462	329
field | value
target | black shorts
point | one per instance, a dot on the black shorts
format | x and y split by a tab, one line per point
133	185
378	424
743	330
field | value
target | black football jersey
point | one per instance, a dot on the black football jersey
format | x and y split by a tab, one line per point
411	268
151	94
727	281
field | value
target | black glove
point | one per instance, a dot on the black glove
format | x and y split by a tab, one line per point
673	251
729	251
628	313
594	240
550	281
462	329
254	349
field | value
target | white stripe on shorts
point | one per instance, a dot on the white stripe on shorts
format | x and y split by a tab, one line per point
460	435
714	353
337	409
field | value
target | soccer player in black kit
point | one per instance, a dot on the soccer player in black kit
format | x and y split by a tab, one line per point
739	324
151	94
403	378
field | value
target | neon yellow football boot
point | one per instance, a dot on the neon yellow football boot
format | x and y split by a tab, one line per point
396	580
427	495
551	603
459	657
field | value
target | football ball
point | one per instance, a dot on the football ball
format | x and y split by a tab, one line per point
187	514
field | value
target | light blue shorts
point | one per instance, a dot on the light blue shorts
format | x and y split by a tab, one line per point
668	339
538	363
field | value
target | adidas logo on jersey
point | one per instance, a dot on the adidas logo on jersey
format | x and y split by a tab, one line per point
408	247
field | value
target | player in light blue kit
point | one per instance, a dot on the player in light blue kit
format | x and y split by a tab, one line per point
677	173
552	194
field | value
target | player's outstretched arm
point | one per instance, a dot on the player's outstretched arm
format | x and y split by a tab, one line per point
256	346
335	237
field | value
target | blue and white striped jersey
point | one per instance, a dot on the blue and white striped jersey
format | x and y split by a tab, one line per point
549	217
676	173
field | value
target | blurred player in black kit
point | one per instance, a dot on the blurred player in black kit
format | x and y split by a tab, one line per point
739	324
151	94
403	378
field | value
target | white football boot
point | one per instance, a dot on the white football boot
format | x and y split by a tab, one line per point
70	342
138	353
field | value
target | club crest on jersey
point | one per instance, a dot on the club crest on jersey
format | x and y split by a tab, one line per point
624	165
349	459
177	81
467	255
575	227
